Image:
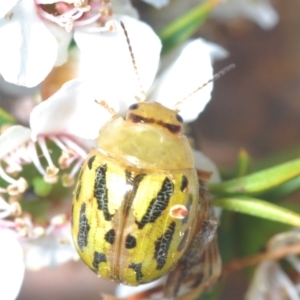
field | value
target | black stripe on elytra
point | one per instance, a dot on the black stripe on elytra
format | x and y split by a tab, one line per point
100	191
72	211
158	204
188	207
135	182
162	245
184	183
130	241
110	236
90	162
84	227
137	268
184	240
78	189
98	258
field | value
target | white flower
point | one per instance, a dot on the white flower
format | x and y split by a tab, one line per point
259	11
30	47
12	265
35	34
108	75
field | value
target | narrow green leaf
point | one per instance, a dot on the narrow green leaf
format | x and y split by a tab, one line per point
259	208
283	190
184	27
258	182
243	163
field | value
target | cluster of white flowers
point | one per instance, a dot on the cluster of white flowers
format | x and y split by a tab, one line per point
37	37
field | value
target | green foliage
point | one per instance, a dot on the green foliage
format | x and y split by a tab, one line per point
185	26
259	182
259	208
6	118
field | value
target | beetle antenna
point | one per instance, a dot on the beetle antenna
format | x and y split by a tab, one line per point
143	94
107	107
214	78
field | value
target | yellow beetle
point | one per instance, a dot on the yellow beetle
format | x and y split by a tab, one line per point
140	210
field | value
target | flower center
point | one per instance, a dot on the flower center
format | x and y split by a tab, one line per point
79	13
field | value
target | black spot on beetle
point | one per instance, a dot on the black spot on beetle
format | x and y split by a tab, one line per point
98	258
110	236
90	162
184	183
138	271
130	242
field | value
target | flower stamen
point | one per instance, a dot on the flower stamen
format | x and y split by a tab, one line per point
34	158
73	146
51	170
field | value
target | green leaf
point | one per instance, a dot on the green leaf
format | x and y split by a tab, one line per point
258	182
6	118
259	208
243	163
283	190
184	27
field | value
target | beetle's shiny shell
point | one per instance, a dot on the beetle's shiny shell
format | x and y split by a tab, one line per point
122	222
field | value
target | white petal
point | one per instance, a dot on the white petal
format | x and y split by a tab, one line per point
29	56
124	291
157	3
12	138
260	11
12	265
6	6
263	14
202	162
49	250
63	39
106	60
190	71
216	51
124	7
71	110
17	90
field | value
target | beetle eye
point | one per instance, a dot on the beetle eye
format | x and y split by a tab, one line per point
133	106
179	118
